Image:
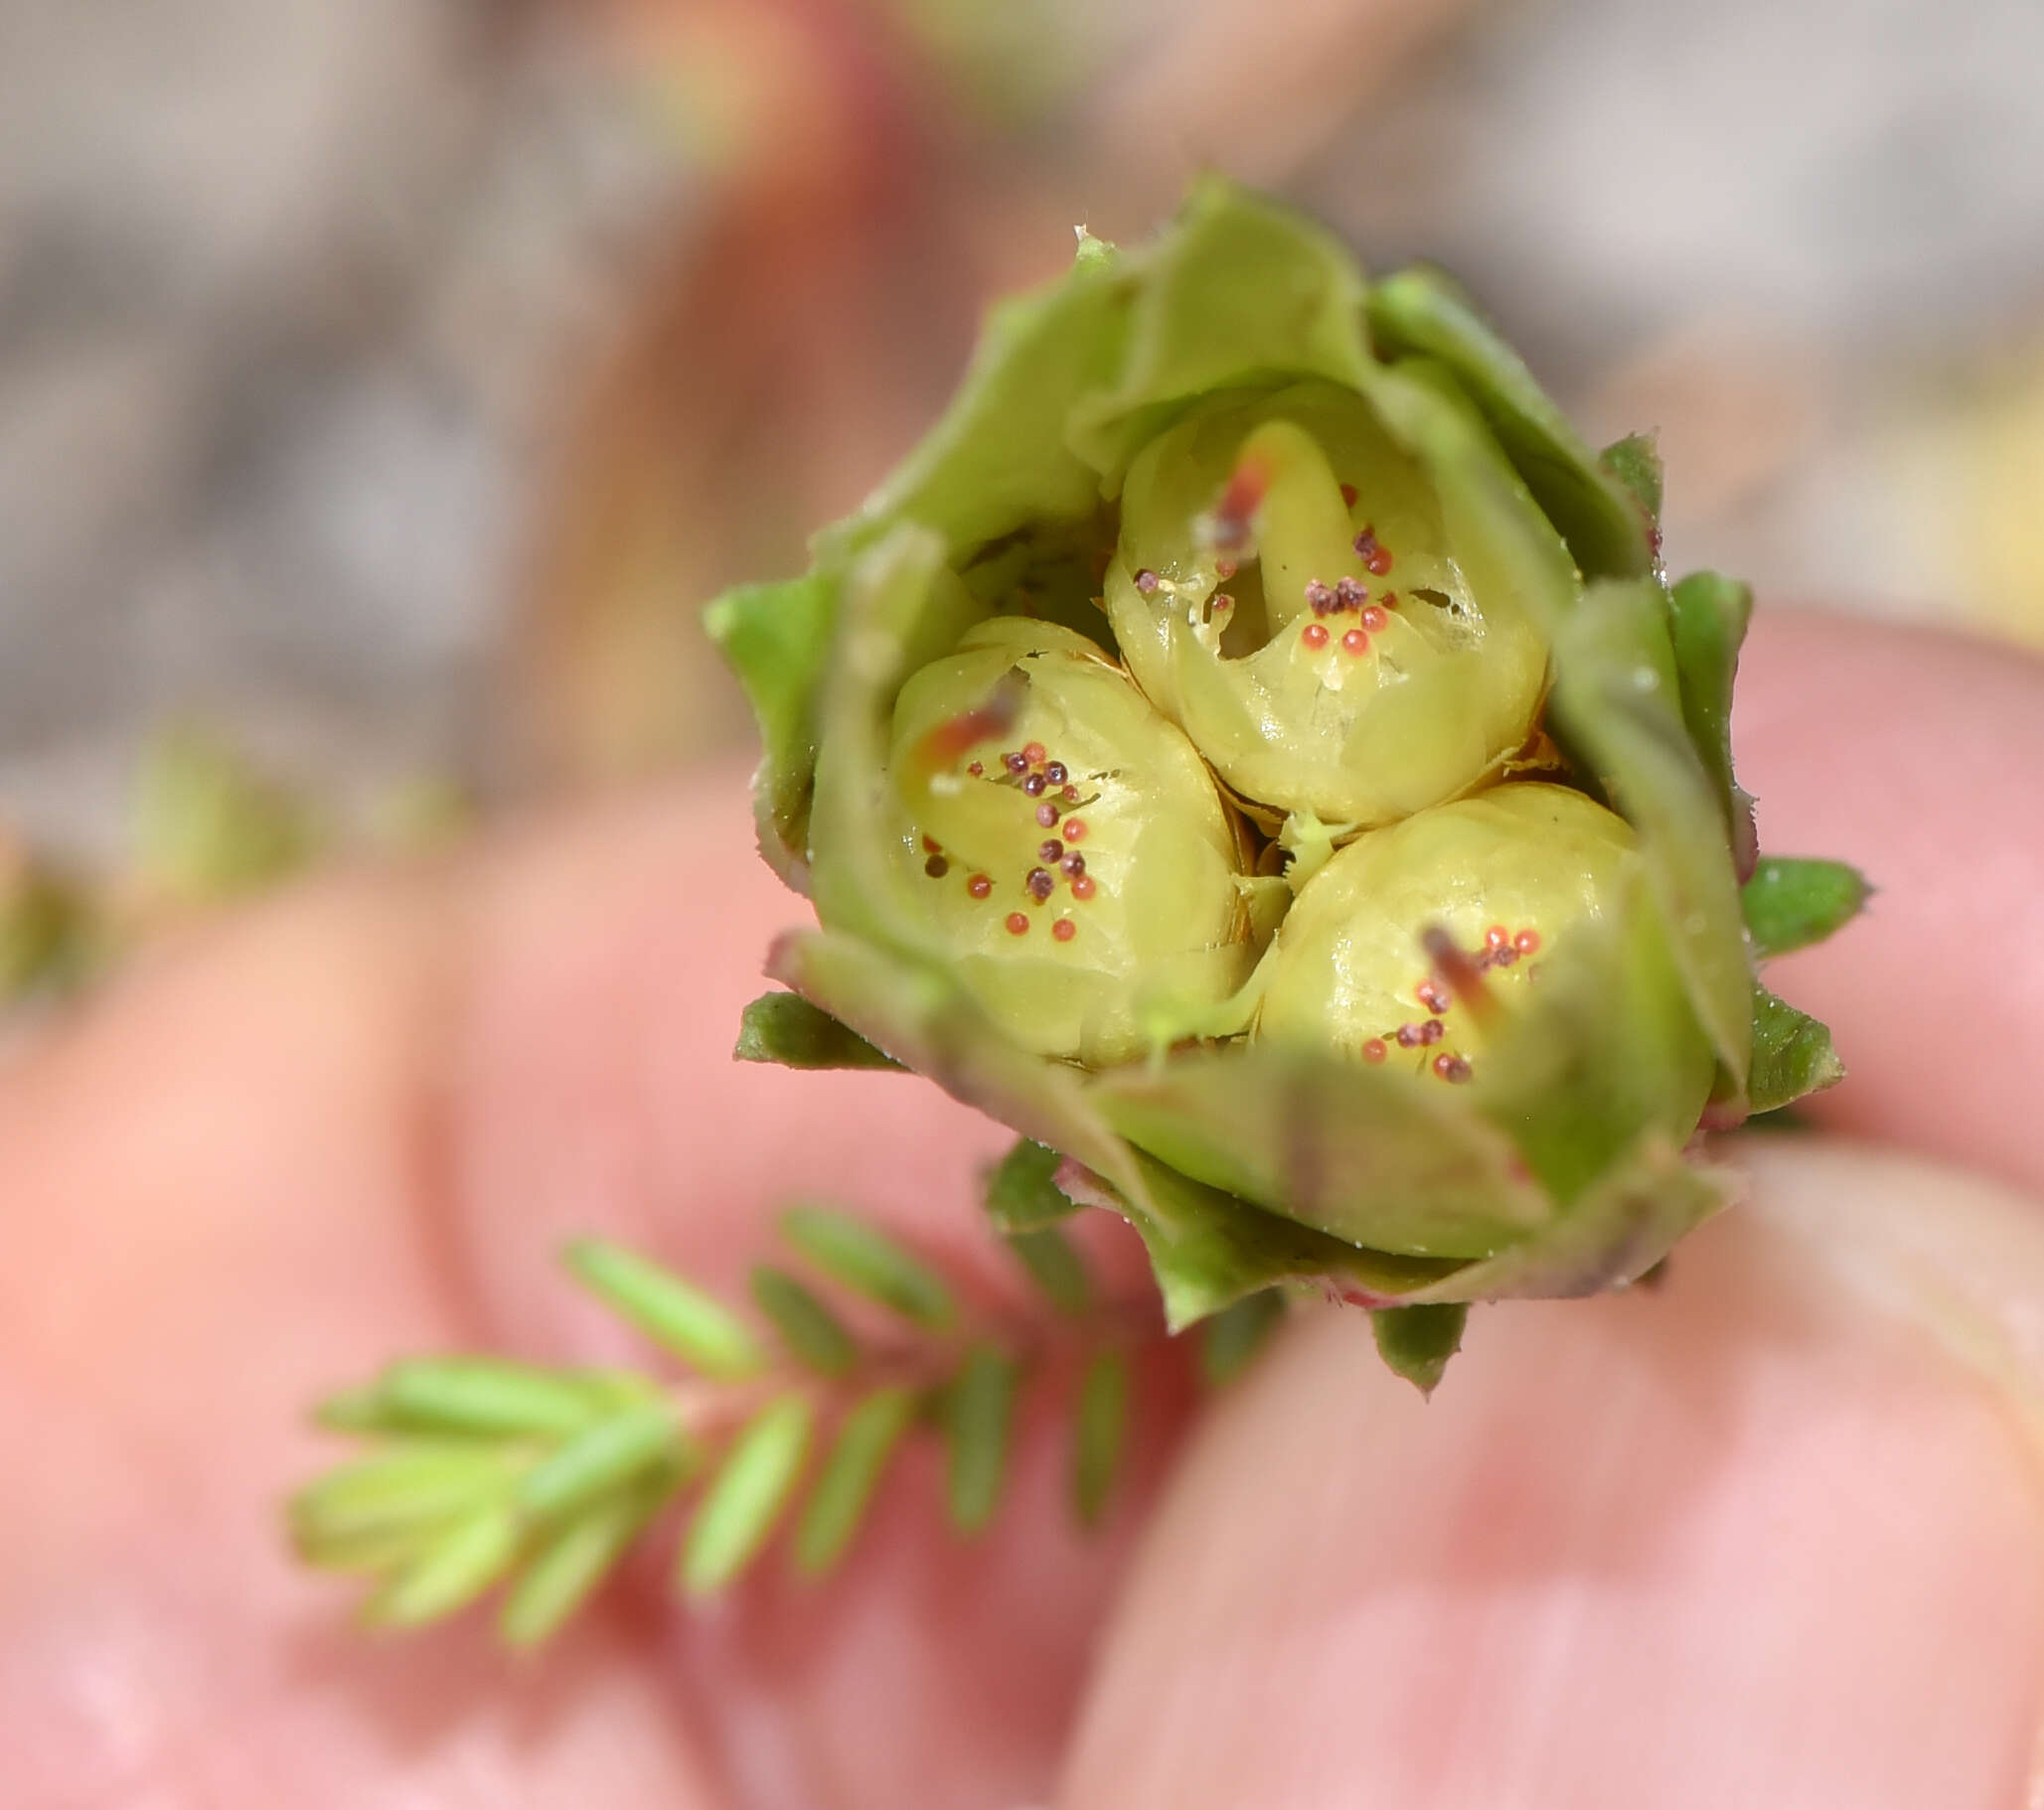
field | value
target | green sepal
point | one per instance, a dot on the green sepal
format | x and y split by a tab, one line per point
787	1029
1023	1194
1232	1339
1791	903
1237	291
1099	1432
1422	312
1707	617
1635	462
777	639
1618	709
1791	1054
1417	1342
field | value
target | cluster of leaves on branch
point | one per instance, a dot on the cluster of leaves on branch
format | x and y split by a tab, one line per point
481	1473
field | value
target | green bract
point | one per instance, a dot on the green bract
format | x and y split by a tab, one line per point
1250	747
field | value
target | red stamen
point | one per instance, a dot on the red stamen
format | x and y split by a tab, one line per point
1313	636
1074	830
1034	753
1374	619
1374	1050
1526	942
1064	930
1356	642
1018	924
1082	886
979	886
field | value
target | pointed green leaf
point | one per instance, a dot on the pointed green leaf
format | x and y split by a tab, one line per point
812	1334
1021	1189
1231	1340
601	1458
1417	1342
574	1559
979	1413
851	1252
860	1456
1422	312
1791	1054
674	1314
1707	617
785	1028
479	1395
1056	1267
1099	1432
451	1573
1791	903
745	1498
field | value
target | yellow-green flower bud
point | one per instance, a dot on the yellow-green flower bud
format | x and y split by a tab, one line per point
1284	589
1065	843
1416	945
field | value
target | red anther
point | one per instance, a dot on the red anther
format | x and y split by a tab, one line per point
1014	762
1356	642
1074	830
1035	785
978	885
1451	1068
1036	753
1349	594
1073	865
1318	596
1313	636
1064	930
977	770
1505	957
1348	496
936	867
1050	850
1374	619
1225	569
931	846
1082	886
1018	924
1374	1050
1462	974
1070	795
1432	1031
1145	580
1039	884
1497	937
1046	815
1526	942
1411	1037
1055	773
1377	561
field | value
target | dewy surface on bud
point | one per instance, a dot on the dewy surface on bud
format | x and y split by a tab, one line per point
1285	587
1063	842
1250	747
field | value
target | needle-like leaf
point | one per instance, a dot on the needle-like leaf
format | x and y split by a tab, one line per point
812	1334
746	1496
979	1410
868	1438
853	1252
596	1462
1233	1336
1100	1432
697	1329
575	1558
1056	1267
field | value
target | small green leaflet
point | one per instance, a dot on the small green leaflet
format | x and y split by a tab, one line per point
812	1333
451	1573
484	1396
785	1028
1791	1054
979	1410
1056	1267
603	1455
867	1441
853	1252
1233	1336
574	1559
1635	462
696	1327
1100	1432
745	1498
1791	903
